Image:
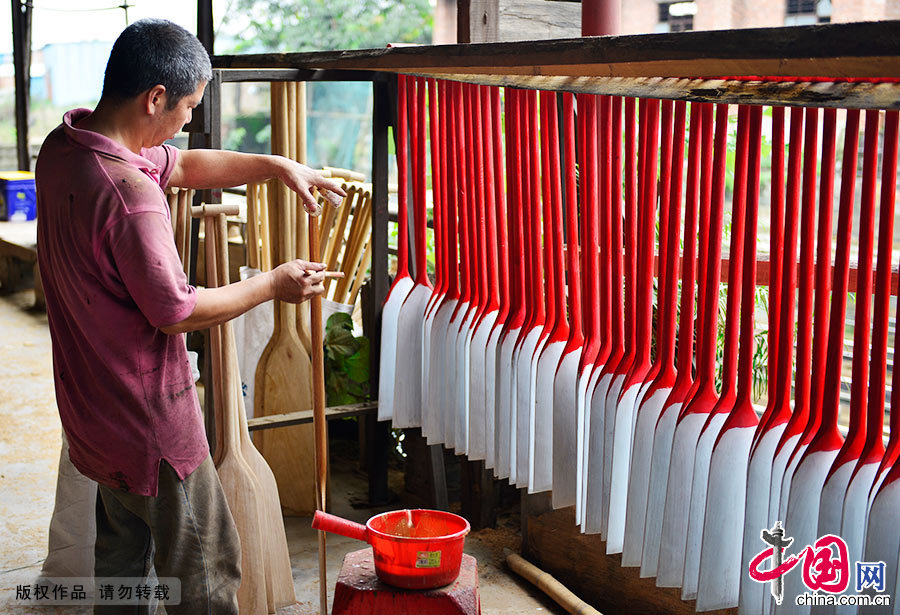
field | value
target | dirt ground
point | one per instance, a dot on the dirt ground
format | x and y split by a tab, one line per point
29	452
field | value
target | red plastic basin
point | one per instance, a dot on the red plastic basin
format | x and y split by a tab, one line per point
422	555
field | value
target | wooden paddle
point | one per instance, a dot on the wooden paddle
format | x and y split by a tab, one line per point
720	550
480	429
403	283
535	308
658	392
279	579
727	397
696	410
557	328
433	394
476	273
665	426
454	375
408	373
565	381
601	374
284	372
801	491
500	246
598	206
439	155
238	481
505	417
856	498
778	410
618	364
639	367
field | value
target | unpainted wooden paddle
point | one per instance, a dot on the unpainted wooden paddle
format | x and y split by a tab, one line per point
665	425
407	410
696	410
403	283
284	372
237	478
655	397
856	499
279	579
546	421
517	273
720	550
601	376
501	245
481	414
600	203
778	411
728	394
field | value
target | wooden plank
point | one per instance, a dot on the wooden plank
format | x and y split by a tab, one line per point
841	94
484	21
554	543
825	50
296	74
302	417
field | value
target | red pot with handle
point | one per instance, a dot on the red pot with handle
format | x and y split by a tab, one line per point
413	549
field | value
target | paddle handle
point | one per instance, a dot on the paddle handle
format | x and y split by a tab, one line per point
338	525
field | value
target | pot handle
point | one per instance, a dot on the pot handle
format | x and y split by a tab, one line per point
338	525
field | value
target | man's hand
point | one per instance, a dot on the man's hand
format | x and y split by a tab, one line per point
302	179
298	280
204	168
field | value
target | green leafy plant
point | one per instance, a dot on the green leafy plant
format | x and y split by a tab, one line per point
346	362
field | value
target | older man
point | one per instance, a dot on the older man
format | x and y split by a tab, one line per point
118	302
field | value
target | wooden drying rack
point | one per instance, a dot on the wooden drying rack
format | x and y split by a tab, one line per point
852	65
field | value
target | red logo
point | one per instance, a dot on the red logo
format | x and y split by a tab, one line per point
826	564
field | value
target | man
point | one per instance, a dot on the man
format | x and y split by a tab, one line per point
118	302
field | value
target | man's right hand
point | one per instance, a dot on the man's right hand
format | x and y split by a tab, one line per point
298	280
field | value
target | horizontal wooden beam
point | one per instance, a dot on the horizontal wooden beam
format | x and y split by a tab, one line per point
837	94
297	74
830	51
306	416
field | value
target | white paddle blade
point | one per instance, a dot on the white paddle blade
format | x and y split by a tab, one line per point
546	422
621	464
388	364
759	477
593	496
656	488
802	519
408	373
697	509
720	551
678	500
638	485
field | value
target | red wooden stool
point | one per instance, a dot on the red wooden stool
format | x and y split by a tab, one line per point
360	592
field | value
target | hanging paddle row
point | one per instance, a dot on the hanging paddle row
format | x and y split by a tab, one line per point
640	307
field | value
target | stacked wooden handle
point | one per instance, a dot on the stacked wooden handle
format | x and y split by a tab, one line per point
278	231
613	408
180	201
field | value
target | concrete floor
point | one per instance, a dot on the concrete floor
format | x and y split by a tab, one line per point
29	452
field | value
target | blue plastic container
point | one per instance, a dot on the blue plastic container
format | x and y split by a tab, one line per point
18	201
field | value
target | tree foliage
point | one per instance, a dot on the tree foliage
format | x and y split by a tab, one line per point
317	25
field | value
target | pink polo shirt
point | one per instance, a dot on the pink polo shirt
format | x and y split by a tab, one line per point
112	278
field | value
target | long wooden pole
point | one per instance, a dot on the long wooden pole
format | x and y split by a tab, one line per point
321	437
